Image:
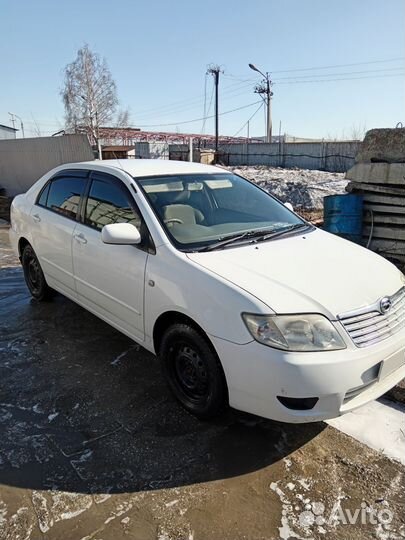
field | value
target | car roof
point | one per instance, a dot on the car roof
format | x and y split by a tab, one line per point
149	167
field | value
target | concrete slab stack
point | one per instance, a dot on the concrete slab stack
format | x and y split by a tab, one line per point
379	174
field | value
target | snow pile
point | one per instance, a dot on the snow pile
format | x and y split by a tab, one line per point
303	188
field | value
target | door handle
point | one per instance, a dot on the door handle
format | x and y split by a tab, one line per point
80	238
36	218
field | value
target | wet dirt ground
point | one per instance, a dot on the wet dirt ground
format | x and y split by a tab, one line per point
93	446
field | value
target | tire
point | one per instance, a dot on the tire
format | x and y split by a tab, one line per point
193	371
34	277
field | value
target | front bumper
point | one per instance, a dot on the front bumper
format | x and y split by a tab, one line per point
13	237
341	380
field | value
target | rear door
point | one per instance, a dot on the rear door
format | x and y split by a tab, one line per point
53	219
110	279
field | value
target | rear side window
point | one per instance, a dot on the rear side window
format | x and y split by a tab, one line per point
63	195
107	203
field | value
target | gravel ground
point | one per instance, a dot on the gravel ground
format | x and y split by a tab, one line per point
304	189
93	446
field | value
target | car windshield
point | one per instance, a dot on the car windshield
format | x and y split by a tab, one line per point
199	210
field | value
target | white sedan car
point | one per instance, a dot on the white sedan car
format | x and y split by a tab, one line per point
245	303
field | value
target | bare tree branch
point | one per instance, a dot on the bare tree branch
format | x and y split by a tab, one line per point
123	118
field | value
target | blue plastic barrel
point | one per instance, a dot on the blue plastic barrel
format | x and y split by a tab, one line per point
343	215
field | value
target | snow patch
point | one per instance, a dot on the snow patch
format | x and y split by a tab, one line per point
118	359
303	188
171	503
378	425
52	416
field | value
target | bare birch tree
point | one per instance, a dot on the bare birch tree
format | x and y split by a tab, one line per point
89	93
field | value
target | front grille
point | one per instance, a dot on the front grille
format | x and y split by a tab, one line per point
367	326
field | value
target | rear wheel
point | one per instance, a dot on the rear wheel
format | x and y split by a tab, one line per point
34	277
193	371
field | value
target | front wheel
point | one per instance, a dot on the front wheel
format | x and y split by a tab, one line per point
34	277
193	371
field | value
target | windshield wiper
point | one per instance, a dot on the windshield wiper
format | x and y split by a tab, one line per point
234	238
256	235
285	230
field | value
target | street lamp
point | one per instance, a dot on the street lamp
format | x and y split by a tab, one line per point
13	115
252	66
266	90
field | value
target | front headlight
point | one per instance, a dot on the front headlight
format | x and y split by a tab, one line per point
304	332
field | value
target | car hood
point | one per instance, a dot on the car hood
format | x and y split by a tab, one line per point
313	272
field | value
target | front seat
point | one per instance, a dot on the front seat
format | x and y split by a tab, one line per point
183	212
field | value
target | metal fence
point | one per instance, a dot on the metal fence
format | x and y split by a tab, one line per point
24	161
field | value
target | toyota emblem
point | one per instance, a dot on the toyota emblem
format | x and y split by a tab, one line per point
385	305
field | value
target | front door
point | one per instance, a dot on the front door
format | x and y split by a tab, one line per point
110	279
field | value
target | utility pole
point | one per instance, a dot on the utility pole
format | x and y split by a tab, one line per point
264	89
215	70
269	93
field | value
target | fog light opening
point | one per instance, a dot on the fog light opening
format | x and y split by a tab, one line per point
298	404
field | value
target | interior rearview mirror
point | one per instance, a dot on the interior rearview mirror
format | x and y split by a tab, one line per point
120	233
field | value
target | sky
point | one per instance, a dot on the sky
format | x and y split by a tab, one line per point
158	53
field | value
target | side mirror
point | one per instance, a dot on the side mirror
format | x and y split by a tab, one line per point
289	206
120	233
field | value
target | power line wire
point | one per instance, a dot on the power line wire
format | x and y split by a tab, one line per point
341	79
228	93
342	65
205	101
207	112
282	82
194	102
333	66
343	73
249	119
200	119
384	70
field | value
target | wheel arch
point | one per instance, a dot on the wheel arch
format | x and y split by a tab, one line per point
22	242
167	319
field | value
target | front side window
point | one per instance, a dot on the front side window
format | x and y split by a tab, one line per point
63	195
107	203
203	209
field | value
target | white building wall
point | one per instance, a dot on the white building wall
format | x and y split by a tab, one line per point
7	133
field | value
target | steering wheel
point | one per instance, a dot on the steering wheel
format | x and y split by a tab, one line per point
174	220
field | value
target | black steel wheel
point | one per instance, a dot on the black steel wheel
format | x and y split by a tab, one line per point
34	277
193	371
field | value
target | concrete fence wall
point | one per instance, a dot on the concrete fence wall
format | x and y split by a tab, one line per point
328	156
23	161
152	150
